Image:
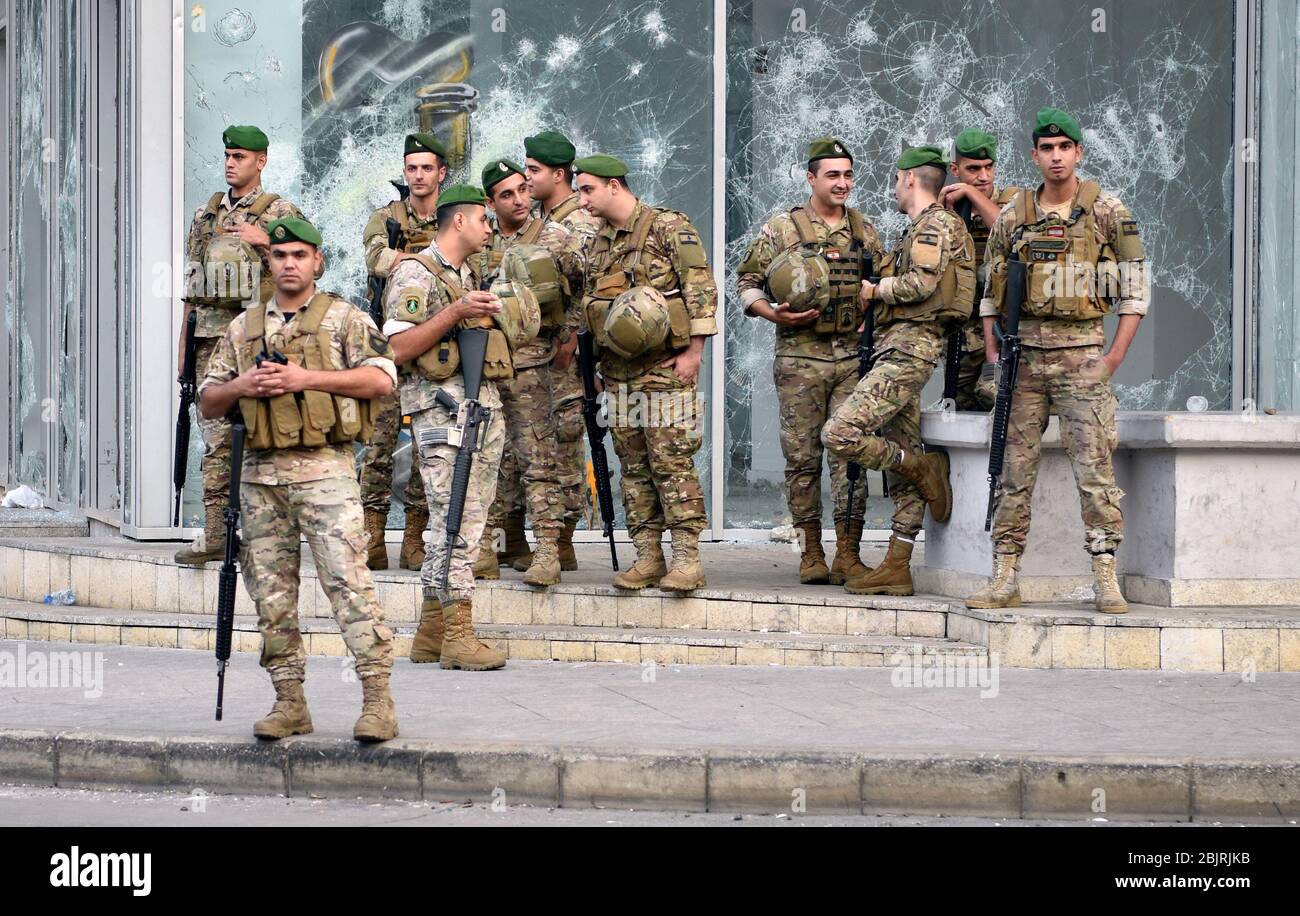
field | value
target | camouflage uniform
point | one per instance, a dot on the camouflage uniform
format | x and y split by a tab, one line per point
814	372
528	398
412	280
656	453
377	457
290	493
969	396
883	414
1061	371
211	325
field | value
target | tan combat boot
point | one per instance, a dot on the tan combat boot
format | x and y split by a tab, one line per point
568	558
412	556
427	645
378	720
1003	590
545	568
211	542
289	715
377	551
485	565
812	560
1110	600
892	577
687	572
848	553
460	647
649	567
929	471
516	549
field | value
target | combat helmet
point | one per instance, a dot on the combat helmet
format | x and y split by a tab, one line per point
637	322
801	277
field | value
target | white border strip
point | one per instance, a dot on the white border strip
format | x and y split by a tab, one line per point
718	375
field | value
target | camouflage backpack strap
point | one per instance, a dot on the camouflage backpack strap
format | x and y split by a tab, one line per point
255	321
261	204
568	206
1088	192
803	225
534	231
400	212
312	316
857	227
641	232
1006	195
214	203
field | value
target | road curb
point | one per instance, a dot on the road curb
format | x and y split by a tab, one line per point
722	779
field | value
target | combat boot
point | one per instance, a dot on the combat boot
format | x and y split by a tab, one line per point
486	566
812	560
1110	600
376	528
412	556
289	715
427	645
649	567
568	557
892	577
516	548
378	720
848	553
929	471
545	568
1004	589
460	647
687	573
211	542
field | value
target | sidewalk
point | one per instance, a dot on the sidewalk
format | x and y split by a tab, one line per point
1161	744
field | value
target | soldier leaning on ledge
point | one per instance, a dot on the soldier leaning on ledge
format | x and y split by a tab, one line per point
816	364
299	478
1083	242
227	240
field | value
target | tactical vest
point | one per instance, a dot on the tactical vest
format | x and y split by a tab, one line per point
565	208
848	269
307	418
544	278
413	240
441	361
1063	256
952	297
979	232
623	272
208	232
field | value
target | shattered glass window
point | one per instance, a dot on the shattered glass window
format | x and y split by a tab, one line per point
1150	83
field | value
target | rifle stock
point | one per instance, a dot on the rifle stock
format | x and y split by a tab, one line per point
189	376
596	439
473	349
1008	369
227	580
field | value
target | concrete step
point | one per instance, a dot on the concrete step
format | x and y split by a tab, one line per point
553	642
26	524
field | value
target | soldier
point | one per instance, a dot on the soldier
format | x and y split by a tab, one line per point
302	418
975	197
430	295
811	261
227	242
1064	230
549	165
650	304
552	258
415	220
927	286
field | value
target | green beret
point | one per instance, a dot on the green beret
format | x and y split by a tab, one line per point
461	194
293	229
550	148
976	144
245	136
828	148
916	156
1052	122
499	169
601	166
424	143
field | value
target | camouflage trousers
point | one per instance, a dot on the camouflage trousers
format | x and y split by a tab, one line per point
878	420
526	402
215	465
1074	383
656	426
436	466
376	470
809	392
328	513
968	396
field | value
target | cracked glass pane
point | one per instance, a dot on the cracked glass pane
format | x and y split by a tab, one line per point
1151	84
71	429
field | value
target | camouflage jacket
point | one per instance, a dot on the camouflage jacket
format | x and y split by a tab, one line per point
574	218
379	257
355	342
411	283
778	235
1110	216
566	249
973	330
935	225
212	321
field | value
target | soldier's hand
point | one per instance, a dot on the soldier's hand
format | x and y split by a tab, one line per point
867	293
477	303
686	364
253	234
253	383
787	317
564	353
950	194
284	378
